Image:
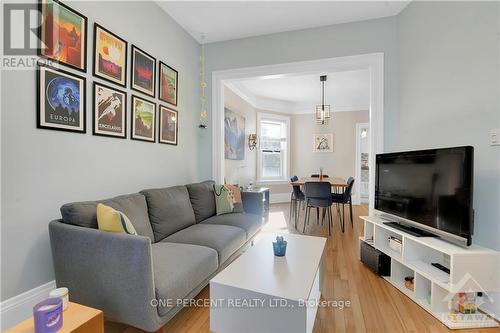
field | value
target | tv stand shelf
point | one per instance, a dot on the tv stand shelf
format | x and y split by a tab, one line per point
471	269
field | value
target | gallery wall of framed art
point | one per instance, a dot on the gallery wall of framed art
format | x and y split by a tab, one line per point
62	94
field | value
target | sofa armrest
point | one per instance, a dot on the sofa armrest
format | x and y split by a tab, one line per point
111	272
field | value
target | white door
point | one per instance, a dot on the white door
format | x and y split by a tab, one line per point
362	166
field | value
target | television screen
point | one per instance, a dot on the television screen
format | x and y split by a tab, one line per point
428	187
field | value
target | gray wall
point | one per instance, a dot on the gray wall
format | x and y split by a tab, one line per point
310	44
42	169
449	92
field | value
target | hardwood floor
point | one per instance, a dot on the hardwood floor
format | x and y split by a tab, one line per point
376	306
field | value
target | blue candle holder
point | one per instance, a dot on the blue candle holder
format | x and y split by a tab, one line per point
279	247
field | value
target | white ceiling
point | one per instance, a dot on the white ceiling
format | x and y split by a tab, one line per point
226	20
344	91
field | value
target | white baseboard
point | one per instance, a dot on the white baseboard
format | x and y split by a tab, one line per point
279	197
20	307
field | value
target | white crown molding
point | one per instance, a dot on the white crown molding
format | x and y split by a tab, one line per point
245	95
279	106
20	307
261	103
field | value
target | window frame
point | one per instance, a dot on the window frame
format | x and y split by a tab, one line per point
285	159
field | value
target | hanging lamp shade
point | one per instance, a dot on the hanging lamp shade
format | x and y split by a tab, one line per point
322	110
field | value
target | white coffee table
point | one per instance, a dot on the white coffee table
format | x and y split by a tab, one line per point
259	292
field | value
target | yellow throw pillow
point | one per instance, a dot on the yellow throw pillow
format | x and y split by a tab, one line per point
109	219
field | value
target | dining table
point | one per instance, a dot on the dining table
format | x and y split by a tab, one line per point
338	183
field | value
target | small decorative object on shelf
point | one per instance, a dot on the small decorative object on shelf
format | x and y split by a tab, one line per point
48	315
395	244
465	303
63	294
320	174
409	282
279	246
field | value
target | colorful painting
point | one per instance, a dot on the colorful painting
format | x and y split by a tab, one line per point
323	143
110	111
61	100
168	126
168	84
110	56
143	119
234	135
63	35
143	72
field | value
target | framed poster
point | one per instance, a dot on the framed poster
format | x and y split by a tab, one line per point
168	83
110	56
323	143
143	120
143	73
234	135
61	100
110	111
63	35
169	125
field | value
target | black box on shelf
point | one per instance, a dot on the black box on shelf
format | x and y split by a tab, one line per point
375	260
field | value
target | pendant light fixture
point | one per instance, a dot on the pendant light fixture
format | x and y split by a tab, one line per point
323	110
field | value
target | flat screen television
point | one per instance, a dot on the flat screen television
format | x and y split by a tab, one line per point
430	190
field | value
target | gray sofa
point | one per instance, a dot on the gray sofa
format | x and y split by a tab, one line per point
137	280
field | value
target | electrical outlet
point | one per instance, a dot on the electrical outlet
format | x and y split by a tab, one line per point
495	137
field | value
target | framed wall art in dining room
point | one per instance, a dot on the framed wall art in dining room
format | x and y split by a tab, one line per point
323	143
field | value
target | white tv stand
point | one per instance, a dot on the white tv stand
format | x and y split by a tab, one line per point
471	269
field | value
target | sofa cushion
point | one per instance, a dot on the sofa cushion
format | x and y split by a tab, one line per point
180	268
134	206
251	223
202	199
169	210
224	239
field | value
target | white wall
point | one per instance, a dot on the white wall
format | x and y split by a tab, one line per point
449	92
241	172
43	169
340	163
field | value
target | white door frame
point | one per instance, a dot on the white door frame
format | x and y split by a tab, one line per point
356	198
374	62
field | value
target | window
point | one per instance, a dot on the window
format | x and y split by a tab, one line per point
272	159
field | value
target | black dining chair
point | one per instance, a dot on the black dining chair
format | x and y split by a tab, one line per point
316	175
343	199
319	196
297	197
